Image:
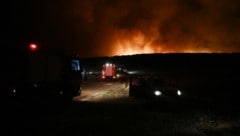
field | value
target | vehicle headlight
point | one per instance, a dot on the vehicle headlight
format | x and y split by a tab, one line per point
13	90
157	93
179	92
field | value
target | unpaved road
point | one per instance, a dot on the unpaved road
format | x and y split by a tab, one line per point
95	91
90	117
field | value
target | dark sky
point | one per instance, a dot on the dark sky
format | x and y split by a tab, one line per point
123	27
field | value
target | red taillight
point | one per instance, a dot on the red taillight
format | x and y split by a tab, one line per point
33	47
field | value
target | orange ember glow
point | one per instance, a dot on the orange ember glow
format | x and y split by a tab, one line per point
126	48
138	43
128	27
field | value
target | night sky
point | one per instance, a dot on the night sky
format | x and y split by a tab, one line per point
123	27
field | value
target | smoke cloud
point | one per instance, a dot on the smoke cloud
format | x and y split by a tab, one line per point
125	27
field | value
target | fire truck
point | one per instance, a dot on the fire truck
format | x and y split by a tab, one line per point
109	71
36	74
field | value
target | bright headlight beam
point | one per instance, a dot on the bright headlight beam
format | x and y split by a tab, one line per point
14	90
157	93
179	92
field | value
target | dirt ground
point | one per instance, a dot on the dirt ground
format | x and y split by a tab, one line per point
103	91
104	108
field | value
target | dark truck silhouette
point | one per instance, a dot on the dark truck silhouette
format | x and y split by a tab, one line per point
155	89
39	75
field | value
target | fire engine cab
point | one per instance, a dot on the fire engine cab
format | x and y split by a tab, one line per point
109	71
42	75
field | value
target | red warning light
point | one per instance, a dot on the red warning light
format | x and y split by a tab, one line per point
33	47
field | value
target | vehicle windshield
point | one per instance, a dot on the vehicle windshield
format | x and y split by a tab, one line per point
158	82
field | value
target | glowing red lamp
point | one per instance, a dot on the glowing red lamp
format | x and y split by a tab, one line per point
33	47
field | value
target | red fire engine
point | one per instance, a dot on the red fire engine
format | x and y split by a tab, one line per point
109	70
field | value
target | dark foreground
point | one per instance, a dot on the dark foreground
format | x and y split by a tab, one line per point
122	117
212	82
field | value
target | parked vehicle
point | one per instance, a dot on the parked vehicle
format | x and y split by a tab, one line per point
40	75
109	71
154	89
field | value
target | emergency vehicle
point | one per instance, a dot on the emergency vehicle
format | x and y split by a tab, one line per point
37	74
109	71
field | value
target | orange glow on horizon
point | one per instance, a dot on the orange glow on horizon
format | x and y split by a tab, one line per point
131	50
126	27
137	43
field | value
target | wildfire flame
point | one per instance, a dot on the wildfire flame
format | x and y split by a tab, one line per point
138	43
127	27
